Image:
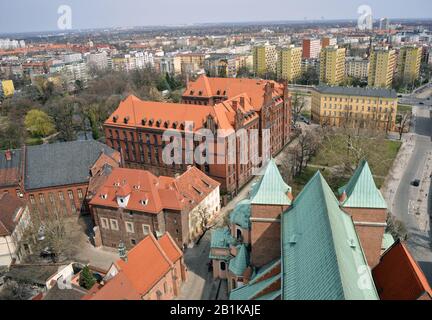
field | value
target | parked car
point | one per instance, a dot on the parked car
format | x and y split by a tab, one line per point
415	183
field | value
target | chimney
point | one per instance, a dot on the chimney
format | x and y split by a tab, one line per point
242	101
8	155
234	104
122	251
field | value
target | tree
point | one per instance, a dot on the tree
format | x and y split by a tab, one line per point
307	146
63	111
404	123
396	228
39	123
298	105
309	77
86	279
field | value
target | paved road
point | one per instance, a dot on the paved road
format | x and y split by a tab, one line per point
419	240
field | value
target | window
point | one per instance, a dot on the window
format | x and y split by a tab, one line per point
32	199
165	288
114	224
80	194
73	208
51	197
70	194
41	198
129	227
61	196
133	242
104	223
146	229
223	266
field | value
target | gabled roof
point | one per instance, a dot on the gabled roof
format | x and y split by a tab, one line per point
221	238
10	170
241	214
271	190
361	191
147	263
240	262
9	213
61	164
160	192
321	253
231	87
399	277
252	291
262	278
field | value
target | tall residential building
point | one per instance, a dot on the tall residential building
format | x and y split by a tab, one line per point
382	67
311	48
409	62
98	60
289	66
357	67
264	59
328	41
332	65
373	108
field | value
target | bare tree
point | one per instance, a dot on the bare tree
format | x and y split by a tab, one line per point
306	147
404	124
297	105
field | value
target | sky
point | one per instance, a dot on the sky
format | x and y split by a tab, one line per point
42	15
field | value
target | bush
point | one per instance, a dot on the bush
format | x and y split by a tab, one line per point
86	280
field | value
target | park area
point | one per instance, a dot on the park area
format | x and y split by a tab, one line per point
338	154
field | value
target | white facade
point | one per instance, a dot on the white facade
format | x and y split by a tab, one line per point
9	245
357	67
98	60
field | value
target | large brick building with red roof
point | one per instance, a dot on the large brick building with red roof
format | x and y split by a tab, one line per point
136	127
131	203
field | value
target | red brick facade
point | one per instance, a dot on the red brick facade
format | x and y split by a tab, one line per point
370	226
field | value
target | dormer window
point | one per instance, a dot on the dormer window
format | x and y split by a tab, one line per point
166	124
115	118
126	119
218	92
144	202
151	121
104	196
200	93
137	187
158	123
144	121
192	93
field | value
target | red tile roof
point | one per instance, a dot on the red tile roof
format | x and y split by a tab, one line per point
195	186
163	116
148	262
399	277
231	87
183	192
9	208
148	193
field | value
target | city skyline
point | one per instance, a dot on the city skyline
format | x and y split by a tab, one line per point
132	13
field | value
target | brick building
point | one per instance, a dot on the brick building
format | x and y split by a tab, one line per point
137	127
271	100
54	177
132	204
153	270
11	172
306	248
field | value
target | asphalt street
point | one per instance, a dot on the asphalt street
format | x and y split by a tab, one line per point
419	240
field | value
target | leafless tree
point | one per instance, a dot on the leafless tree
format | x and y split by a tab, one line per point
404	124
297	105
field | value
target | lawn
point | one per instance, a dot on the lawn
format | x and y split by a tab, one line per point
380	154
403	108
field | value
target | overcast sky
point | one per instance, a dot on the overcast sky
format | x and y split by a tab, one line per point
41	15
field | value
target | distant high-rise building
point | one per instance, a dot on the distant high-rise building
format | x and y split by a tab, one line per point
384	24
289	66
311	48
332	65
328	41
382	67
264	59
409	61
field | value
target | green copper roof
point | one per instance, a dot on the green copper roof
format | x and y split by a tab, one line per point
241	214
249	291
239	264
271	190
361	191
221	238
321	254
387	241
271	296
